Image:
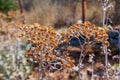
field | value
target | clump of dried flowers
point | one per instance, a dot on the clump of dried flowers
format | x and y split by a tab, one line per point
45	40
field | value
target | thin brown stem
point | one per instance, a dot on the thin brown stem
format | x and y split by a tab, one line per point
83	10
20	6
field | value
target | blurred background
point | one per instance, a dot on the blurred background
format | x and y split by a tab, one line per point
60	13
65	12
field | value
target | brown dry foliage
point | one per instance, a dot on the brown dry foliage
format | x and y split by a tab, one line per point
44	40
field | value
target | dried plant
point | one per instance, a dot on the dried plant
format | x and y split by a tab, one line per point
106	5
91	34
44	41
52	52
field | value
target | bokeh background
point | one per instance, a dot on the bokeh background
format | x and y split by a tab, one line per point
62	12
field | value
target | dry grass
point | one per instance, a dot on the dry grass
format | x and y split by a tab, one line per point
56	14
42	12
47	13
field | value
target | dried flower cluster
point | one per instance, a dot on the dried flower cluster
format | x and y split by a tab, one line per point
88	30
90	34
44	41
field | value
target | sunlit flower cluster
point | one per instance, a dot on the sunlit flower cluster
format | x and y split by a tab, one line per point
88	30
44	40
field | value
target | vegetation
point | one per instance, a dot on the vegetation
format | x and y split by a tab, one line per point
7	5
82	51
13	64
